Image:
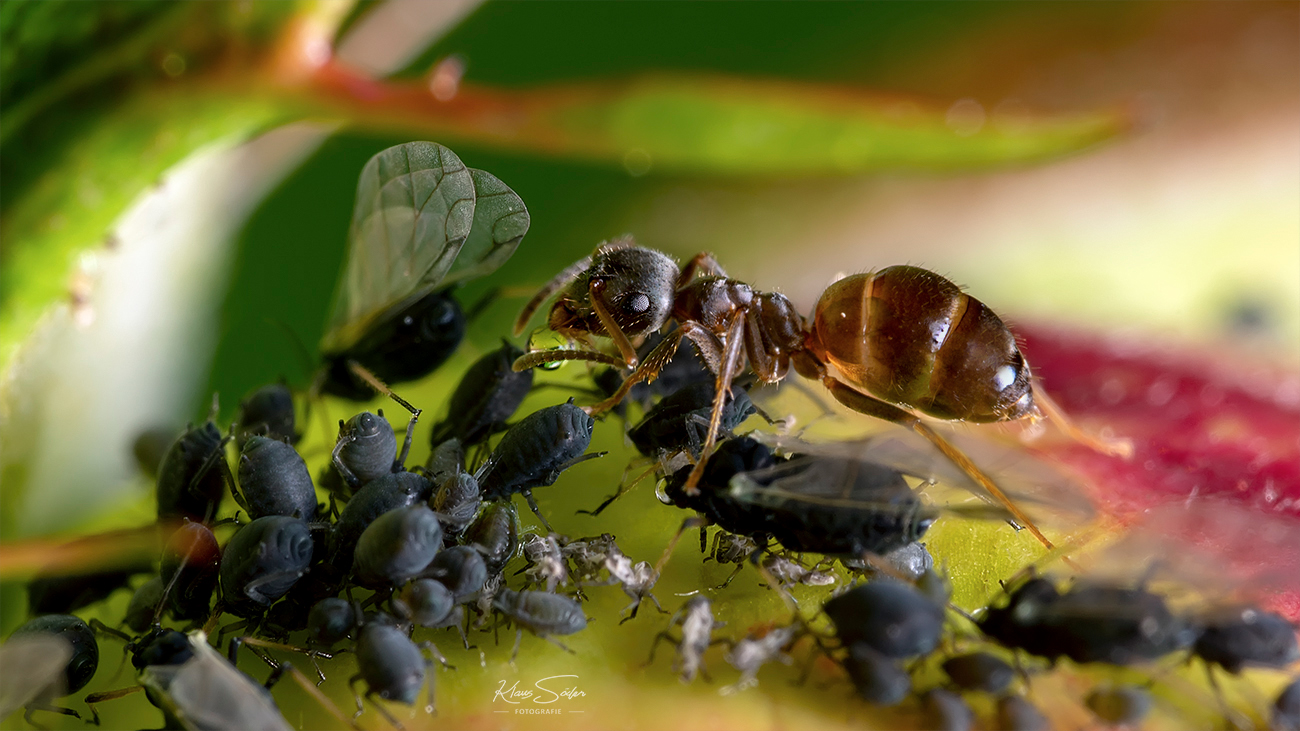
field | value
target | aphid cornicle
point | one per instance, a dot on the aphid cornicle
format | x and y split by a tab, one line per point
422	224
892	344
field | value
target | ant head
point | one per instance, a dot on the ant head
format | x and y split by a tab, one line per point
634	286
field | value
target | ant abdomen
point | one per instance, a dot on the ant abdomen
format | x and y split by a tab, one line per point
910	336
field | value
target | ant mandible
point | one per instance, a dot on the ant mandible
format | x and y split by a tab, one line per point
887	344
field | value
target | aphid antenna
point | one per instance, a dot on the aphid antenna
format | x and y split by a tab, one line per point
364	374
311	690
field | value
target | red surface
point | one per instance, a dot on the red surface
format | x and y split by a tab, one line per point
1217	446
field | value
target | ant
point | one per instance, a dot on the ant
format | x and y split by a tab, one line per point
895	344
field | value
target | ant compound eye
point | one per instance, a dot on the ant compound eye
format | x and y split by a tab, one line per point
637	303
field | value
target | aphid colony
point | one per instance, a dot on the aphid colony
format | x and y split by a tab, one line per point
384	559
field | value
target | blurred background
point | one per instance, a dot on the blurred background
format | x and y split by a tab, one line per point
176	179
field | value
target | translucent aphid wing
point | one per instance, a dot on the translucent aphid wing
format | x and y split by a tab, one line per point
30	664
210	693
414	211
500	222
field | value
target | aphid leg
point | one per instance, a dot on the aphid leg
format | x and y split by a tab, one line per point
352	685
660	637
345	438
755	558
108	695
102	628
558	644
1113	446
692	522
437	654
532	504
364	374
400	463
865	404
558	282
519	637
726	371
311	690
38	706
734	573
384	712
623	487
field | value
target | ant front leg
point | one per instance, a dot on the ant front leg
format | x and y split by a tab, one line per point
558	282
864	404
726	371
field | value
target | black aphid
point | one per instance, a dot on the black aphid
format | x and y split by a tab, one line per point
396	547
428	602
462	570
890	616
262	562
267	412
535	451
541	613
143	607
391	665
496	534
389	492
879	680
1017	714
680	421
273	480
1247	637
367	449
422	223
946	711
457	501
979	671
65	593
1088	623
48	657
191	563
192	477
488	394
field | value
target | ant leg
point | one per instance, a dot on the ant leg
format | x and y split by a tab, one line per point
310	689
558	282
726	371
702	262
102	628
870	406
615	333
406	443
364	374
1112	446
107	695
